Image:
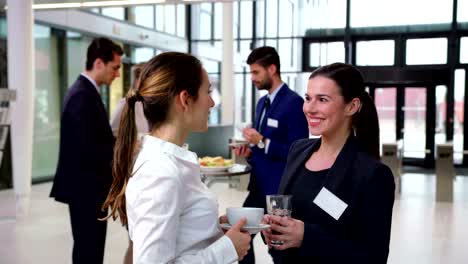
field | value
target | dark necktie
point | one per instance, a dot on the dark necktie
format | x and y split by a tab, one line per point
263	114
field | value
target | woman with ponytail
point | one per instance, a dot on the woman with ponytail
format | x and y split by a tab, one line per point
157	190
342	194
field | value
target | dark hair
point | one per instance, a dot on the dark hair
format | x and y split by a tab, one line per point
101	48
265	56
365	122
162	79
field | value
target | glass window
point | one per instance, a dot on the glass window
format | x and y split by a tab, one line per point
47	103
114	12
260	19
218	20
246	19
324	14
170	19
326	53
426	51
464	50
287	14
245	49
375	52
371	13
160	18
205	26
181	21
142	54
272	18
144	16
287	53
272	43
77	45
462	15
235	19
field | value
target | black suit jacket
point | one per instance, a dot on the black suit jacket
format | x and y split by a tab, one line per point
362	233
84	172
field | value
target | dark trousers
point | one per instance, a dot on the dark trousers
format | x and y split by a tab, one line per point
255	199
89	233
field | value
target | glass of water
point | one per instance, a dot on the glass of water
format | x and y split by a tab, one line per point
279	205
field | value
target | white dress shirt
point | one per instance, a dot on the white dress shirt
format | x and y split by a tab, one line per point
172	215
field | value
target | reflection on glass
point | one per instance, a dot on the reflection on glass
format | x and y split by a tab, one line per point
414	136
326	53
372	13
385	102
459	116
376	52
426	51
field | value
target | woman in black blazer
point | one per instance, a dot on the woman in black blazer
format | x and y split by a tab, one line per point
342	194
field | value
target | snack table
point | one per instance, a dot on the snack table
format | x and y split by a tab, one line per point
210	177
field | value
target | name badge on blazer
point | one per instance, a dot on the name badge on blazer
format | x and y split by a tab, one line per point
331	204
272	122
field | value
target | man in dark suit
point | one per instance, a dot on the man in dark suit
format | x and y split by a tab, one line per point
84	173
279	121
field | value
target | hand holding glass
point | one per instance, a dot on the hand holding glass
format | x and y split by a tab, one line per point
279	205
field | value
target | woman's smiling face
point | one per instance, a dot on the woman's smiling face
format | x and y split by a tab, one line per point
325	108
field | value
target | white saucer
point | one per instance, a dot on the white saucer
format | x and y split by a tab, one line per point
238	144
251	229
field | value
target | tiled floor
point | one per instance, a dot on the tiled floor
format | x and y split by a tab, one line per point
423	231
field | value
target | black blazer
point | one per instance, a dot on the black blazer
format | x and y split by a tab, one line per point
362	233
84	170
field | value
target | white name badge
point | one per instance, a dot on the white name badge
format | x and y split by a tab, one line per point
331	204
272	122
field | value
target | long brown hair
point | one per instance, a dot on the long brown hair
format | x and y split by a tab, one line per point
162	78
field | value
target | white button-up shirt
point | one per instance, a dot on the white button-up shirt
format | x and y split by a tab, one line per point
172	215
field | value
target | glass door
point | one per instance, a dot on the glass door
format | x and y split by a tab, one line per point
408	114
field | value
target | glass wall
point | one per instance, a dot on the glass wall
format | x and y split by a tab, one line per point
375	53
326	53
47	103
426	51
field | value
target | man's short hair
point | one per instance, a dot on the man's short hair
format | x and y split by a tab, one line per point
265	56
101	48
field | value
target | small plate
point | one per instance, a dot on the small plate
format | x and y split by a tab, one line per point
215	169
240	140
238	144
251	229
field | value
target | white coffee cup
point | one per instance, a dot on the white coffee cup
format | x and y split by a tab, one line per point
253	215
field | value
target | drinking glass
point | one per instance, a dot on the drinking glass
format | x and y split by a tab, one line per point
279	205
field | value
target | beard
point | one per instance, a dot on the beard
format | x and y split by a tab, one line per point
265	85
